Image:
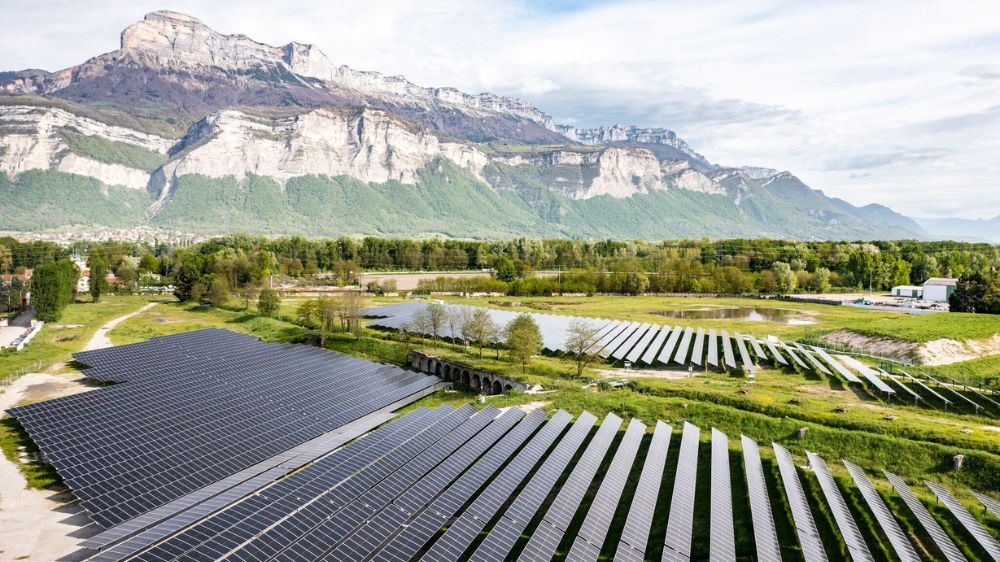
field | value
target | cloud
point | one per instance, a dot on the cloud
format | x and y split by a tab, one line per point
871	101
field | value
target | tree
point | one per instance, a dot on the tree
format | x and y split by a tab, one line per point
523	339
821	280
307	311
149	263
581	340
53	286
456	318
98	277
479	328
268	302
504	269
184	280
218	294
352	306
784	277
437	316
977	292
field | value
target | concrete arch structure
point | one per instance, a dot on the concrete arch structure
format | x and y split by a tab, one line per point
480	381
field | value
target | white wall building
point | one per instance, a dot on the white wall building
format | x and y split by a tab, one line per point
938	289
908	291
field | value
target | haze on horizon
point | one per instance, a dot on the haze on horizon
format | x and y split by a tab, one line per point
885	102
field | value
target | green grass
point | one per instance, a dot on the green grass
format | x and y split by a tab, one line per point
58	340
921	328
12	438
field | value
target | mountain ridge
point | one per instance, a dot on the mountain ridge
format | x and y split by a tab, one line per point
231	109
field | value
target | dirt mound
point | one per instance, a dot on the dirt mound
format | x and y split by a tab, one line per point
938	352
876	345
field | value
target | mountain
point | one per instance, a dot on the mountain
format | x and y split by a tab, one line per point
187	128
970	230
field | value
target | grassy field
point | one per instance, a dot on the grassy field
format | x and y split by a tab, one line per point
917	444
58	340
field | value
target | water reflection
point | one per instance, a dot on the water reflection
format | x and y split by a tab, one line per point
746	313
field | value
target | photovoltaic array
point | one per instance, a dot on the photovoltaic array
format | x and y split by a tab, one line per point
196	409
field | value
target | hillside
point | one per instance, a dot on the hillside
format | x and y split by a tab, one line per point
188	128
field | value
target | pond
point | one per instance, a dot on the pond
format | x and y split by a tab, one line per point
745	313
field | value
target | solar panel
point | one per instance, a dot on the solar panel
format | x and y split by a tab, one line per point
744	355
544	541
519	513
897	538
196	408
841	514
630	342
641	346
151	528
460	534
654	348
346	522
916	397
722	539
866	372
805	526
955	392
668	348
610	336
698	348
971	524
926	388
727	350
713	349
420	529
814	361
927	521
632	545
774	352
280	514
619	340
793	355
682	348
590	537
757	348
991	505
765	536
380	528
680	524
840	369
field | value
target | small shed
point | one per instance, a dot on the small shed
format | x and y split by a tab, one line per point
908	291
938	289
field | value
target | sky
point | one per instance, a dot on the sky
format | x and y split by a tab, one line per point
881	101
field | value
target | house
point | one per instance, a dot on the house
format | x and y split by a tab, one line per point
938	289
908	291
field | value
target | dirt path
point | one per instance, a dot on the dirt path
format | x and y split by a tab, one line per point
100	340
37	524
42	524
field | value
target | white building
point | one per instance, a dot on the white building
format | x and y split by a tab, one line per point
938	289
908	291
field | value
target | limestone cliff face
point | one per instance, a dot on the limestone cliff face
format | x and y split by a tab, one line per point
369	145
622	134
619	172
32	139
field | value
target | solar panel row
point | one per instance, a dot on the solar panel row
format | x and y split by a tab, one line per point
649	344
632	545
841	514
590	538
680	523
805	526
765	535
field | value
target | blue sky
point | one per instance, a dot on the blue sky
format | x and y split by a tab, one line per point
888	101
